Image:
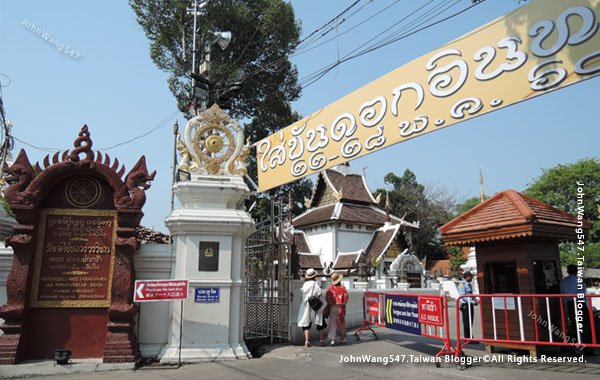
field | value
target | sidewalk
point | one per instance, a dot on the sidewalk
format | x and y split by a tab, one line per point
296	363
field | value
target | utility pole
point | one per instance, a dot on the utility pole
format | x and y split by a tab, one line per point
195	31
174	179
201	82
197	9
7	140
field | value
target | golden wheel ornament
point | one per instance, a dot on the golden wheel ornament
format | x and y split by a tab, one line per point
214	145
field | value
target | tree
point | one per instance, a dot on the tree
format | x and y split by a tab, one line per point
265	33
592	255
559	186
467	205
414	202
456	257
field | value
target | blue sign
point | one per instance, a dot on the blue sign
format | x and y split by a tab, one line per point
402	313
206	295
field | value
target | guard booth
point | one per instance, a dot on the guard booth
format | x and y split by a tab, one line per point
516	239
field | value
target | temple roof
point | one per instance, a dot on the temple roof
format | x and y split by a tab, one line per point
507	215
340	184
381	241
344	212
306	258
301	242
310	260
346	260
151	236
351	187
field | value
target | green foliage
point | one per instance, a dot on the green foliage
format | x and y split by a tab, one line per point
558	187
569	255
415	202
6	206
467	205
265	33
456	257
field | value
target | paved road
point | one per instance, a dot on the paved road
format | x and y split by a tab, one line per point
297	363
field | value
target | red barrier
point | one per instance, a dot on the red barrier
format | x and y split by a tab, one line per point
396	311
371	313
530	319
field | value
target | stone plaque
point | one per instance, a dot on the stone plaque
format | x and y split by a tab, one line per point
209	256
74	258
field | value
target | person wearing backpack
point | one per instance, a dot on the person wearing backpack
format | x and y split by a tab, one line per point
307	315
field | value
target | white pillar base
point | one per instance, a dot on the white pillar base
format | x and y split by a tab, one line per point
170	355
211	215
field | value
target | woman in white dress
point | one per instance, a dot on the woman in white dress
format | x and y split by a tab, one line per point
306	315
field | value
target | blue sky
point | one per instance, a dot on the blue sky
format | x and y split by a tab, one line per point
114	87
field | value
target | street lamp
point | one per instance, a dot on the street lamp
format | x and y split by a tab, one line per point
222	38
218	37
202	78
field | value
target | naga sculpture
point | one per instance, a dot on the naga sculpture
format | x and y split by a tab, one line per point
136	182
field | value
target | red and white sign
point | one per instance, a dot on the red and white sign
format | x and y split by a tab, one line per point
430	311
372	307
160	290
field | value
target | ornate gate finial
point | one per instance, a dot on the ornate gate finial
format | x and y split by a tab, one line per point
213	145
83	144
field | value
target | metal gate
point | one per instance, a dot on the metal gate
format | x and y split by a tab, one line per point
267	291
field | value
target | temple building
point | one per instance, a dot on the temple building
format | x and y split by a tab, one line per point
345	230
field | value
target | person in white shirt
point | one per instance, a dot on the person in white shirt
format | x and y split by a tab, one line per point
306	315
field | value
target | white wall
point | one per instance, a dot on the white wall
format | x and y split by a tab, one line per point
350	241
153	262
6	257
321	241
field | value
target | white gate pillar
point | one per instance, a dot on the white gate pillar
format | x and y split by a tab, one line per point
209	230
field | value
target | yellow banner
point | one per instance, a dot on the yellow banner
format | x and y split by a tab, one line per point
538	48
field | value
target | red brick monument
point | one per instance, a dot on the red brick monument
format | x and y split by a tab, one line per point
71	281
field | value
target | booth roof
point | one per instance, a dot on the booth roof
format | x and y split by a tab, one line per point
509	215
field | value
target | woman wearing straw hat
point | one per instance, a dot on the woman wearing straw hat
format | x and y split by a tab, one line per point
306	315
336	297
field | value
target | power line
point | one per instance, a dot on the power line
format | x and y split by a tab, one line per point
161	124
41	149
331	27
328	23
347	30
277	64
158	126
317	75
398	36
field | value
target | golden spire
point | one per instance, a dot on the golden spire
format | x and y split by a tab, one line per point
481	193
